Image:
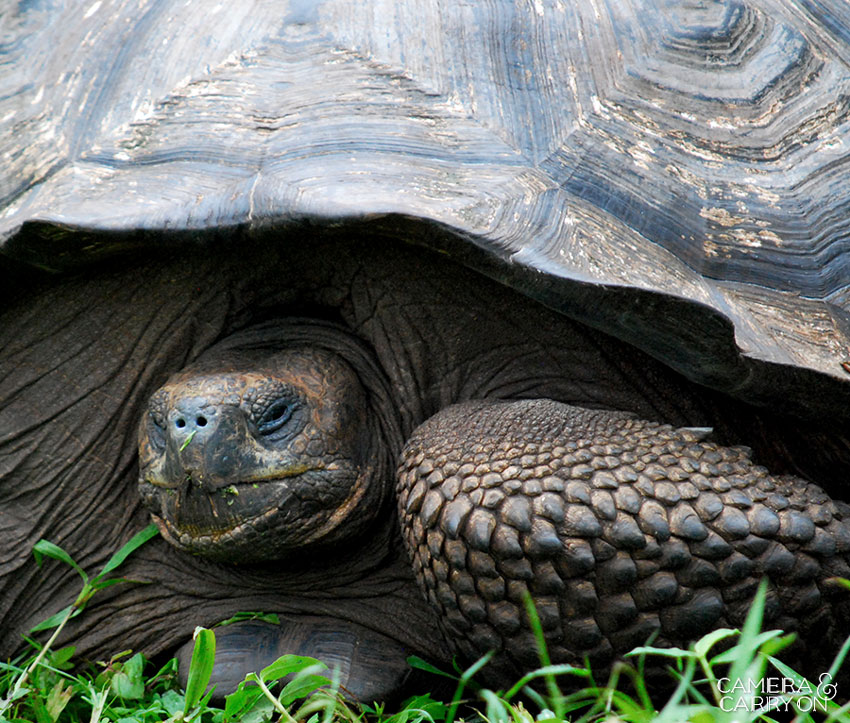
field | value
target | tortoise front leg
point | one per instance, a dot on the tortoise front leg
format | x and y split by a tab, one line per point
616	526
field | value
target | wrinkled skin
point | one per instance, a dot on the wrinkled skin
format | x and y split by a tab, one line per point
83	354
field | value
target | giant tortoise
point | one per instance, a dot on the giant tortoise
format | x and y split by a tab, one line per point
394	314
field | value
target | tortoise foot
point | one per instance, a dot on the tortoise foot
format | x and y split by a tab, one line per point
371	666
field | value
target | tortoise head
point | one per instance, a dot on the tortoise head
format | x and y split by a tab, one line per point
251	454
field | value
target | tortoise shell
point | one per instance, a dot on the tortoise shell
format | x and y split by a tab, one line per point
673	173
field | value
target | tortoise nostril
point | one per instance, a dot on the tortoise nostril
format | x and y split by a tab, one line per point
180	423
201	421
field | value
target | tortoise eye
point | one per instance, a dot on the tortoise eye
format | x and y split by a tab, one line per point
157	407
274	417
156	431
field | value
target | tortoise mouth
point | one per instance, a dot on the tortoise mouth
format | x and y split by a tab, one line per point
245	521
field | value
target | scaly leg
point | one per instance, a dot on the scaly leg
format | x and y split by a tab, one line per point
618	528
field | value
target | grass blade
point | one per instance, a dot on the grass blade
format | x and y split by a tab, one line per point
135	542
200	667
839	659
414	661
288	664
748	644
45	548
56	619
270	618
301	686
463	681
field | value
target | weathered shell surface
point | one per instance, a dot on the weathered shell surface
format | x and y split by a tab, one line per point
699	150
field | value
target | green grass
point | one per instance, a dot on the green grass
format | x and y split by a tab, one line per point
724	677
